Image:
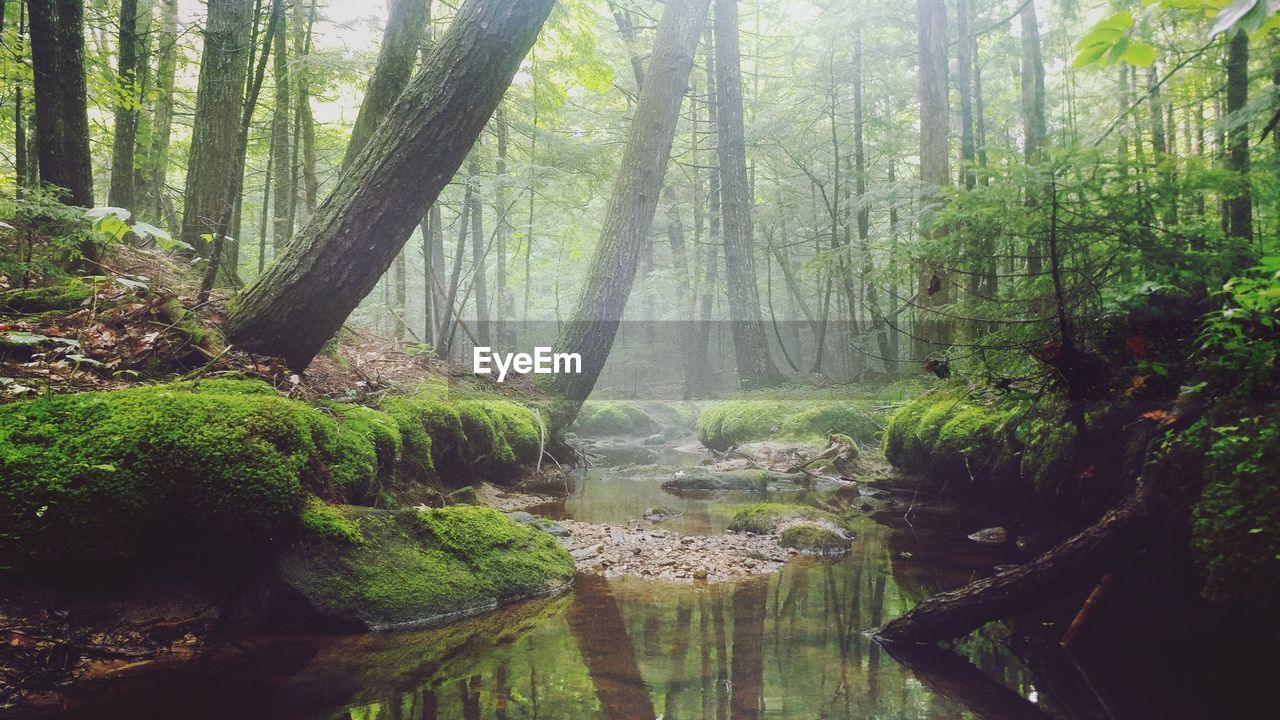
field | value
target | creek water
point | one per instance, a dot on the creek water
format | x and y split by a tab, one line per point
786	645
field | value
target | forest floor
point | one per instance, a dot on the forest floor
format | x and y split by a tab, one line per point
140	320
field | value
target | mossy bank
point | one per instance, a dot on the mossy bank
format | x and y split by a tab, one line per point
99	487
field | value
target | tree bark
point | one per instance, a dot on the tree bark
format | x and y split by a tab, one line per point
698	362
751	345
500	212
479	281
122	192
280	143
224	66
631	207
932	333
162	120
1033	120
338	256
62	118
1240	206
406	21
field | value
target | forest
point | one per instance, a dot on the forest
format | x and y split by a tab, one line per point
639	359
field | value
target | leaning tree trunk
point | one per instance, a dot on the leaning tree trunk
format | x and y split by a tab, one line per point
353	237
405	24
632	205
62	118
224	67
751	346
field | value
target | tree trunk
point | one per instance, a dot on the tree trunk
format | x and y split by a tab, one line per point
964	79
121	192
698	362
22	165
479	281
338	256
280	144
162	122
1112	542
932	333
631	207
219	104
1033	122
751	346
878	325
406	21
62	118
1239	207
500	212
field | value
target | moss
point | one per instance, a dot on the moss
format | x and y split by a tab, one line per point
613	417
472	436
814	539
421	567
1047	463
366	449
321	520
764	416
102	477
1235	530
65	296
763	518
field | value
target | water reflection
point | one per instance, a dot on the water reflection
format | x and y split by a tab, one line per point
788	645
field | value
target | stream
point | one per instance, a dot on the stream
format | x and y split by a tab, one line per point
789	644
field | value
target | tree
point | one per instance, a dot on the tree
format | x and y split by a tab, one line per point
932	333
122	192
281	175
62	118
751	346
162	122
400	40
346	246
1240	205
224	67
631	205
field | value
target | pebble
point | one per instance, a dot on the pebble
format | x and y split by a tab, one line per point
660	555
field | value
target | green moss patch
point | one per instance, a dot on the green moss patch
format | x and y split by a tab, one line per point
765	517
93	477
815	539
461	438
62	297
948	435
417	568
613	417
763	417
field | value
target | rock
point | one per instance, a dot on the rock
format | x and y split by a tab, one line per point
521	517
581	554
616	537
463	496
655	439
551	528
413	568
699	574
991	536
660	513
815	539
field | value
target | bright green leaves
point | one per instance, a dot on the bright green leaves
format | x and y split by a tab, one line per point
111	224
1112	41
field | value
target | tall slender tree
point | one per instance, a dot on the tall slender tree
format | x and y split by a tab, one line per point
128	100
751	345
932	332
1240	205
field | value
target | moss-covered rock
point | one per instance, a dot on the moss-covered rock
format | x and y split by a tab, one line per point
1235	531
215	467
417	568
949	435
764	518
612	417
62	297
93	477
460	437
761	417
815	539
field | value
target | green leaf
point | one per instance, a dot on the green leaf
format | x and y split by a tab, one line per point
1140	54
1231	15
14	337
108	467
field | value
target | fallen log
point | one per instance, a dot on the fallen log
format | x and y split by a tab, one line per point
1114	542
1110	544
